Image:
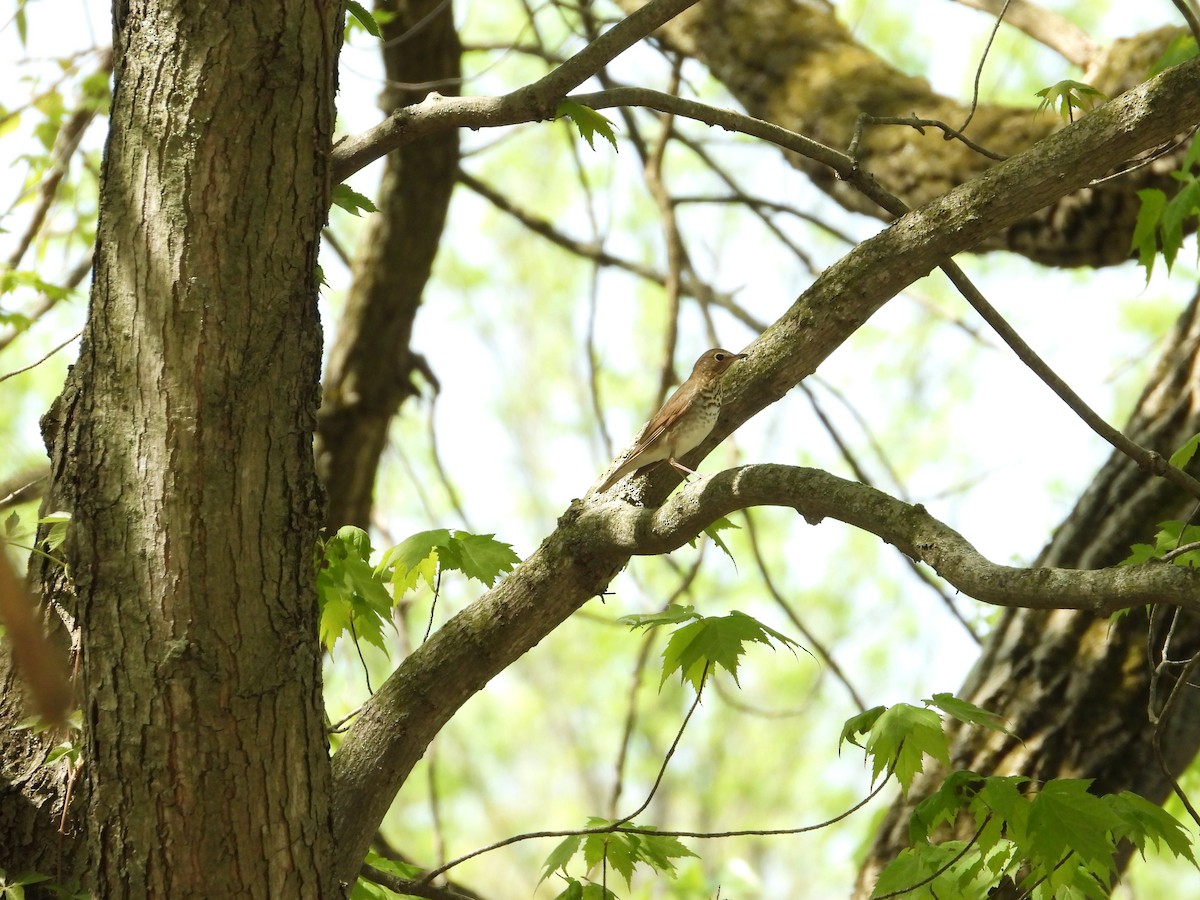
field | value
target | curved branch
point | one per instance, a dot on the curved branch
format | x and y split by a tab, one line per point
817	495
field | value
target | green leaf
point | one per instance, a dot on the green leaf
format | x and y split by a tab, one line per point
714	533
1068	96
944	804
1145	229
1183	206
588	121
1143	822
351	200
414	549
903	735
623	851
860	724
352	595
482	557
364	18
1065	817
58	522
478	556
1184	454
715	641
560	856
392	866
968	712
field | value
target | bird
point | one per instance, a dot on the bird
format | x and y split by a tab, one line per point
684	420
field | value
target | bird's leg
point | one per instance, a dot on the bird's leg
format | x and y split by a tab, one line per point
682	468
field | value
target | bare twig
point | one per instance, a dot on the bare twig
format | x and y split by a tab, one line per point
920	125
34	365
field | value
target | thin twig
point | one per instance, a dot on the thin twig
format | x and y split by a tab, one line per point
34	365
700	835
979	69
920	124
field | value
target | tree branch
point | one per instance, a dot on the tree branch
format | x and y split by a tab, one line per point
531	103
573	564
817	495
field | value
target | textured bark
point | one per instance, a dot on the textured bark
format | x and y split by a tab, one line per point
1074	688
182	445
794	64
371	364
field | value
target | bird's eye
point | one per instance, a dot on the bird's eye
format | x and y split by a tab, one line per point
720	357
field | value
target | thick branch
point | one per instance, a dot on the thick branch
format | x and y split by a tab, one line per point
817	495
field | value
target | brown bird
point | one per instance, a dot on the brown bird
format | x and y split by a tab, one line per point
684	420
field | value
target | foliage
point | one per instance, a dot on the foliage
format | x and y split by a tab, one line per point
707	642
1160	223
363	17
364	889
1171	537
623	850
714	534
352	201
1068	96
358	597
588	121
1057	841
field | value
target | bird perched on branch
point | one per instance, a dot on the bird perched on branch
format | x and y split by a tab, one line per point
684	420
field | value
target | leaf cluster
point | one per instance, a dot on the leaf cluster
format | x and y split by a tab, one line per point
1059	841
622	850
1160	222
358	597
706	643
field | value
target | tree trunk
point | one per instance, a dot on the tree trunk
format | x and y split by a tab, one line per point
182	446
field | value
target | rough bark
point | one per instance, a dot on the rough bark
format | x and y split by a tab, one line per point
796	65
1074	688
182	446
371	363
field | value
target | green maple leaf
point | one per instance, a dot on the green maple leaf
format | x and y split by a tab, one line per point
901	736
351	200
968	712
1065	817
715	641
478	556
482	557
588	121
1143	822
351	594
1069	96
